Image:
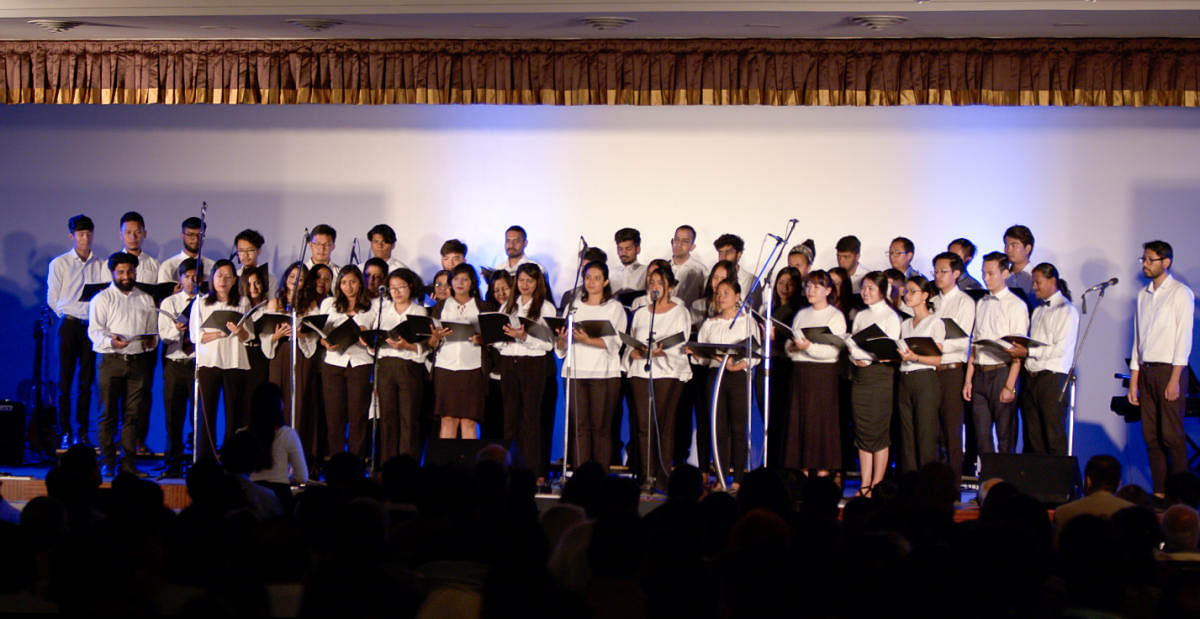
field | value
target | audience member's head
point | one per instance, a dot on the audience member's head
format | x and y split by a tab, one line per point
685	484
1180	529
1136	494
1103	472
1183	487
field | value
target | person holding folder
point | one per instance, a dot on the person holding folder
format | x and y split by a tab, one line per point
217	326
731	404
595	369
668	368
295	287
346	373
813	432
991	381
874	378
400	375
921	338
523	366
458	370
952	305
1055	324
254	287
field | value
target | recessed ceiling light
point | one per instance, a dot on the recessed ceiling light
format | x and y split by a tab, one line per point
878	22
54	25
314	25
608	23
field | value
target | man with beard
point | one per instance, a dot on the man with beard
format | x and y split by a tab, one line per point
629	274
123	327
515	241
1162	341
133	234
192	234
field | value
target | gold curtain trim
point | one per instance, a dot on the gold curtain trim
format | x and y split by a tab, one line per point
1091	72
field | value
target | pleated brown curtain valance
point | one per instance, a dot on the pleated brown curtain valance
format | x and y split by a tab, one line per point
1094	72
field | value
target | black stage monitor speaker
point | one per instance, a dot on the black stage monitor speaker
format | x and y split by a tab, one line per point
1052	480
12	433
462	450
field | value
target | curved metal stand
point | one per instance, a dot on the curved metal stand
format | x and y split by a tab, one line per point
712	417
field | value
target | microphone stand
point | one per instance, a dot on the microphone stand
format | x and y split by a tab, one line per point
763	276
374	383
295	296
651	408
196	371
572	397
712	417
1071	378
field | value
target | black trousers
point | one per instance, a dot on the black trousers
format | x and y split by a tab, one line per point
217	385
75	349
123	380
260	368
143	421
731	421
178	381
950	414
1162	422
522	383
919	399
659	432
691	401
987	409
1043	417
347	400
399	383
307	420
592	401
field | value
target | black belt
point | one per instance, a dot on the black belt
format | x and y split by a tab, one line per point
69	318
1154	364
126	357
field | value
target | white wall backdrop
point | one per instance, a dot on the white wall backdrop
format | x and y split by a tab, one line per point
1093	184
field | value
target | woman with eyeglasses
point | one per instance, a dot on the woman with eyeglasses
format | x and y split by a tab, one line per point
400	376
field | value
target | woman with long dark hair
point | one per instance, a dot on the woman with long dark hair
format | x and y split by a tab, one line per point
254	286
787	298
298	287
501	288
596	369
813	432
523	367
920	394
346	374
221	362
458	371
702	309
400	375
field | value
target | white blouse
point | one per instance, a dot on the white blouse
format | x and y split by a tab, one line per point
226	353
674	364
716	330
880	314
356	355
592	362
808	317
307	344
391	318
531	346
933	327
459	356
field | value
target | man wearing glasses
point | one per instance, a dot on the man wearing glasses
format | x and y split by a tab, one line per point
689	271
192	234
1162	341
900	255
321	242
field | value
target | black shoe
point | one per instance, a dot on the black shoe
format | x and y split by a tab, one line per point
172	472
85	442
108	470
134	472
64	441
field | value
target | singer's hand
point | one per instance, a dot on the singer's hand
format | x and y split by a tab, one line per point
1172	392
908	355
1008	394
636	355
515	333
658	351
281	331
1132	396
562	337
862	363
967	391
1018	351
798	345
119	342
327	345
180	326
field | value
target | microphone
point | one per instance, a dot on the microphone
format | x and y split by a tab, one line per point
1102	285
776	237
654	294
382	291
584	241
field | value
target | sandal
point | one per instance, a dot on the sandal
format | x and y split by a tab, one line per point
865	491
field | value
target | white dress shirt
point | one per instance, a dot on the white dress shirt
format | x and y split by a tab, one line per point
717	330
1057	326
959	307
172	338
307	344
391	318
644	300
745	280
700	312
502	265
592	362
393	264
831	317
691	276
168	271
225	353
531	346
997	315
932	327
674	364
65	279
309	264
465	355
130	315
880	314
1162	326
356	355
147	268
625	277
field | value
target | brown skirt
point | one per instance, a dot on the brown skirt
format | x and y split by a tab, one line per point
814	439
458	393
